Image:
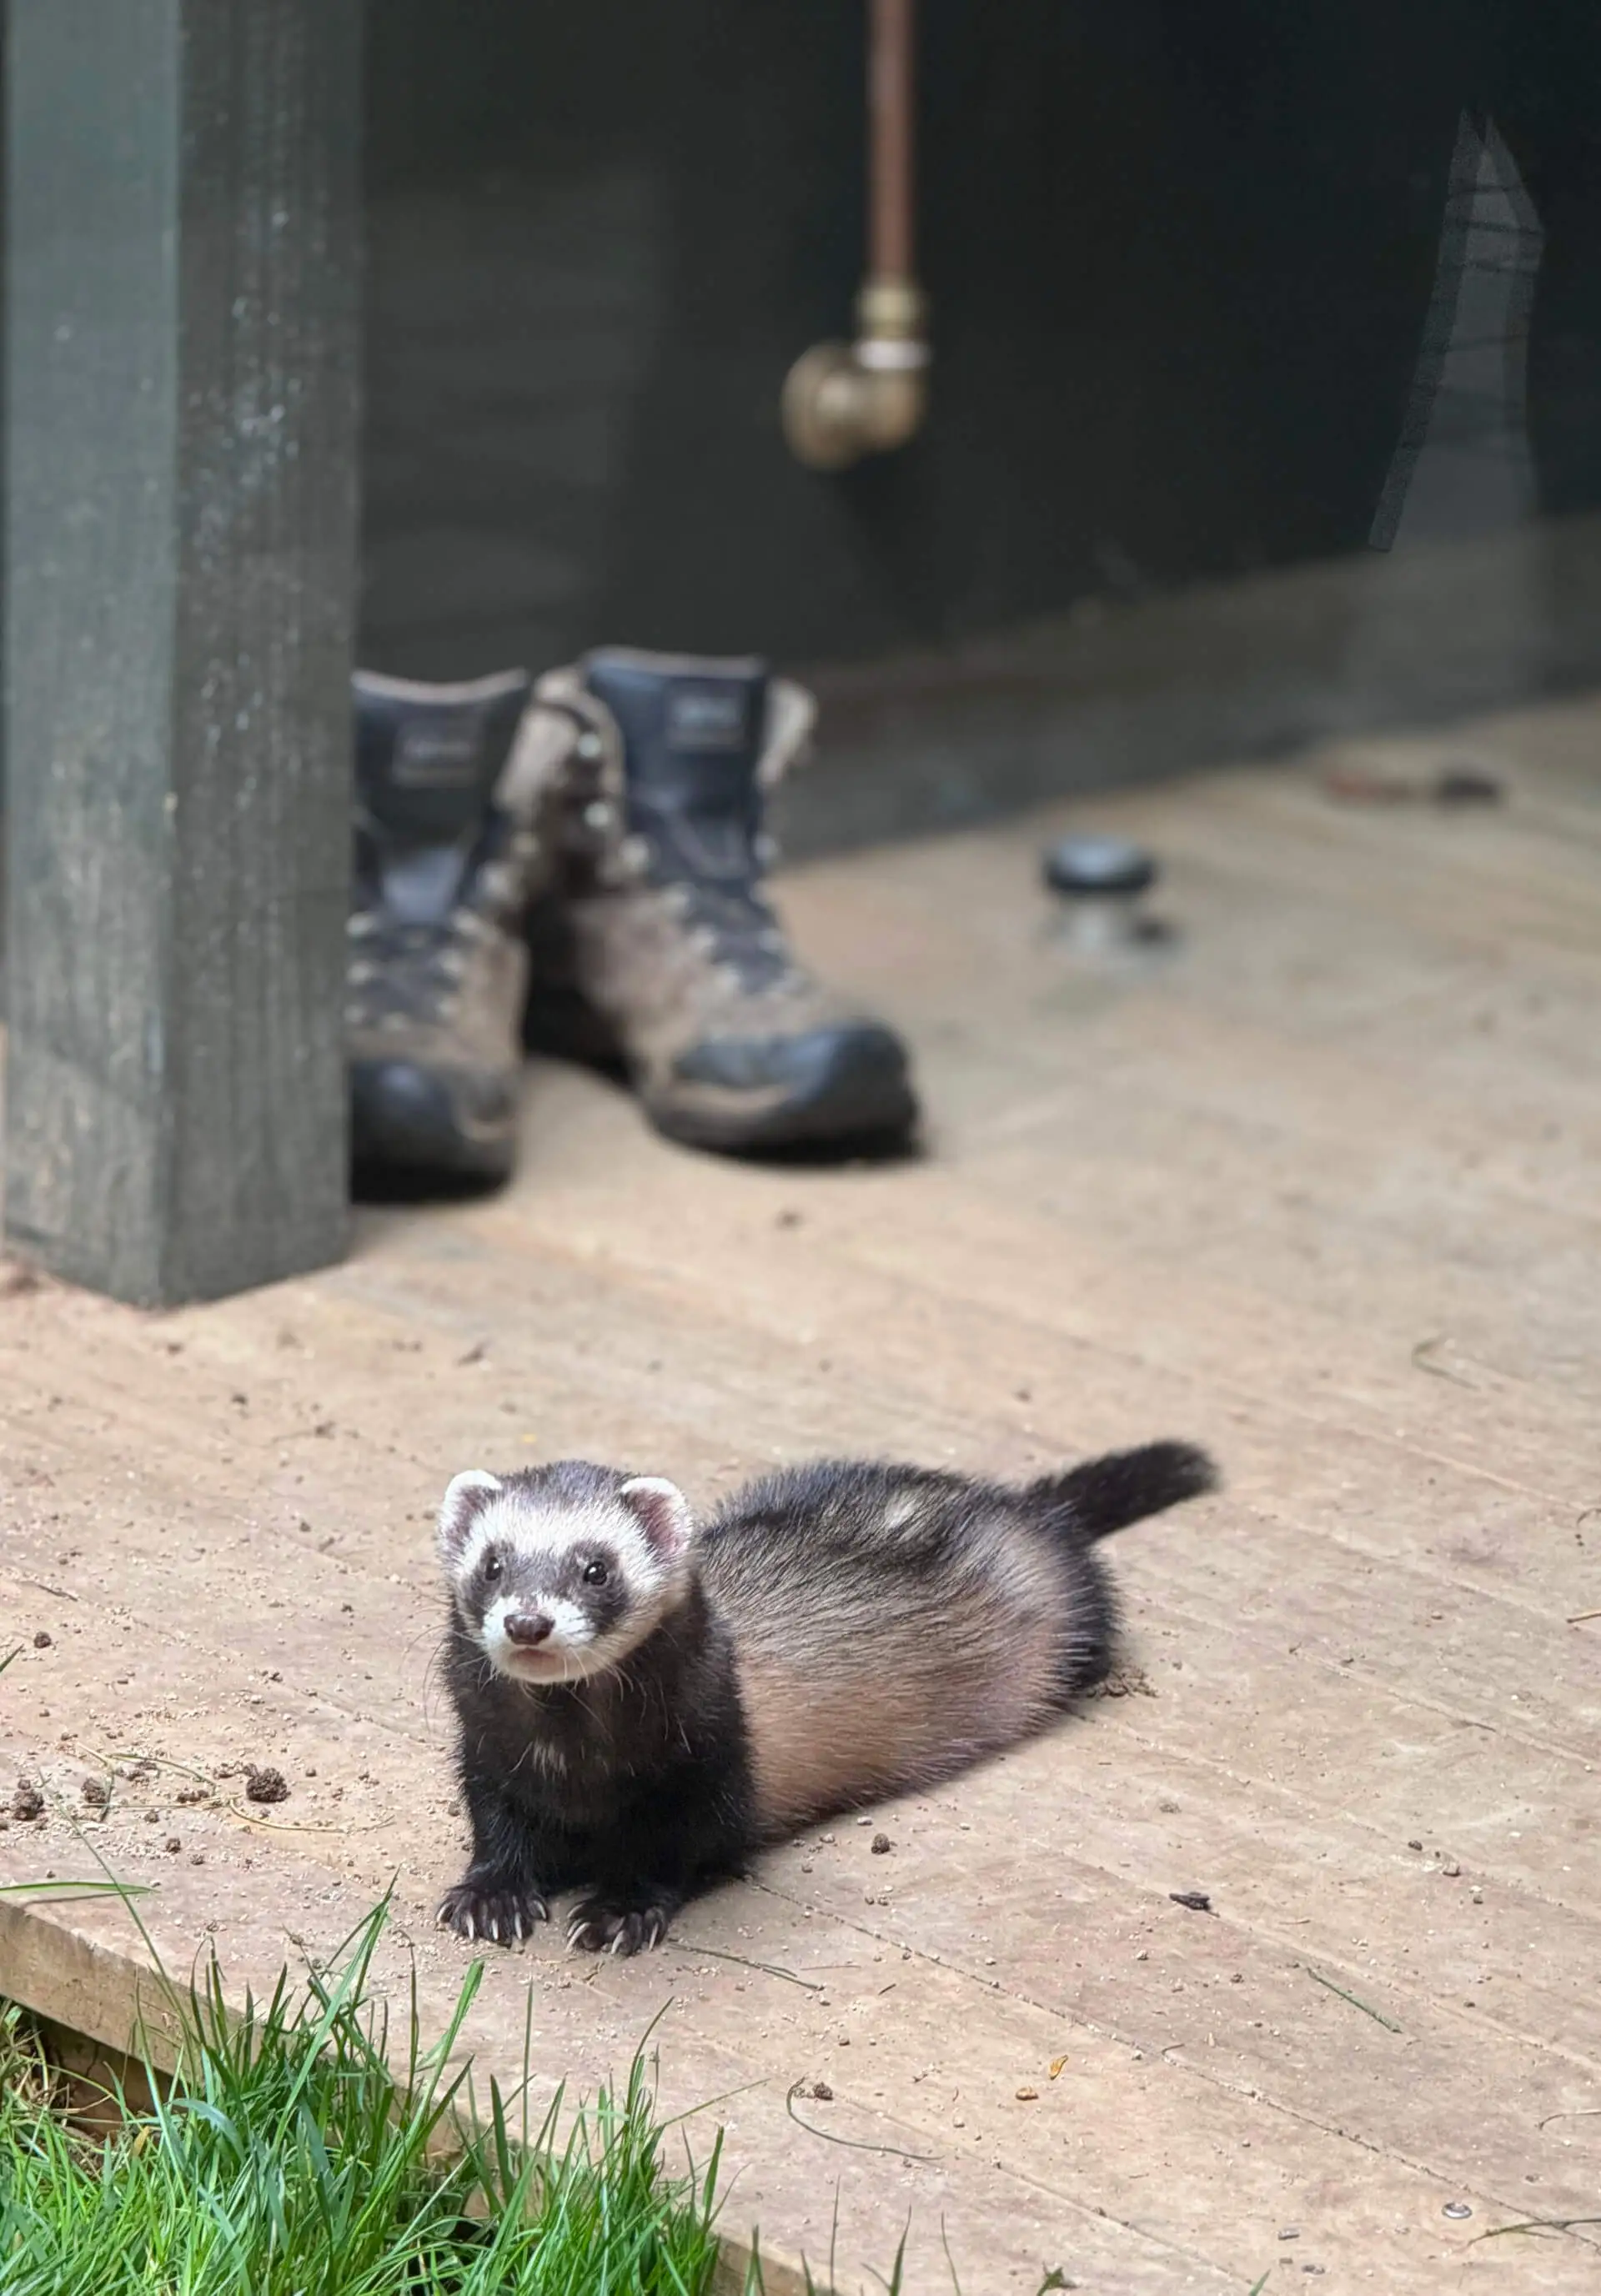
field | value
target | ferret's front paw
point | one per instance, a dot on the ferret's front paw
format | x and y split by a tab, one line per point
505	1916
615	1925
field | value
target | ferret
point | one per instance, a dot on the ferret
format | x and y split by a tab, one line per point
643	1703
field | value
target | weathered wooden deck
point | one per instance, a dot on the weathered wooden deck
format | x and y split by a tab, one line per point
1322	1193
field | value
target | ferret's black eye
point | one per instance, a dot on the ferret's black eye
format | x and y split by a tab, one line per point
595	1574
492	1566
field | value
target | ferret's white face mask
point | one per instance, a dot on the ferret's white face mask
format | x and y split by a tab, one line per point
553	1593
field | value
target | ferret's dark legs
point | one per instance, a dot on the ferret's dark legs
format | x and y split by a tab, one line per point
501	1894
696	1830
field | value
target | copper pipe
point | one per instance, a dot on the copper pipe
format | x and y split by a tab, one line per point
892	77
843	400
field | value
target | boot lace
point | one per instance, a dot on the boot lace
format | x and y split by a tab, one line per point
403	973
727	916
733	926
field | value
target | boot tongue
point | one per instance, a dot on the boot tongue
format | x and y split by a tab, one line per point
427	761
692	737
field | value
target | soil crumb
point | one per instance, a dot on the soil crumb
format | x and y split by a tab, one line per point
1125	1682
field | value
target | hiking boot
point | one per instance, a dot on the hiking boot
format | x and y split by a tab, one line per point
449	785
656	950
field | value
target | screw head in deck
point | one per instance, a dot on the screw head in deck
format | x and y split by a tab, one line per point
1099	882
1098	868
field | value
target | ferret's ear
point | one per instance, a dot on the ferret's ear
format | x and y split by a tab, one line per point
460	1507
663	1514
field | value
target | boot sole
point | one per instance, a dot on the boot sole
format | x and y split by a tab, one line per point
871	1126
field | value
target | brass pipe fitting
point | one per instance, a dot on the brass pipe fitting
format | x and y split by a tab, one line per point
843	400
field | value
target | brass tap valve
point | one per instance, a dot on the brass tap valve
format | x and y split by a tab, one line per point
843	400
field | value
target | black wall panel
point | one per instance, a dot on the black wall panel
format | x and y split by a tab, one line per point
1180	258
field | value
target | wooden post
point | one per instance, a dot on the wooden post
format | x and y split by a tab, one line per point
181	256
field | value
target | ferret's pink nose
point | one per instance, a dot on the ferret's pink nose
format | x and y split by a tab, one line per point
528	1628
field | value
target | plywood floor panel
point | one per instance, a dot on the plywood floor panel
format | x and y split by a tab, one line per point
1321	1190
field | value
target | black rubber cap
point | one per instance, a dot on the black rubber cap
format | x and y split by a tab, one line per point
1097	867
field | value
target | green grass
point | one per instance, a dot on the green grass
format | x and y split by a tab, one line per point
304	2147
295	2153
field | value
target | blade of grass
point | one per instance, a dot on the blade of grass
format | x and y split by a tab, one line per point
851	2143
1365	2008
767	1968
85	1888
1535	2225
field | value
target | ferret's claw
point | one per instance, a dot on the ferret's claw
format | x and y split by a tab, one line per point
503	1916
619	1930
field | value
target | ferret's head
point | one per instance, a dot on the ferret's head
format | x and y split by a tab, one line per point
559	1572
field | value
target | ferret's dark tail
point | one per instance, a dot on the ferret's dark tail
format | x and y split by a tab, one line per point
1104	1495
